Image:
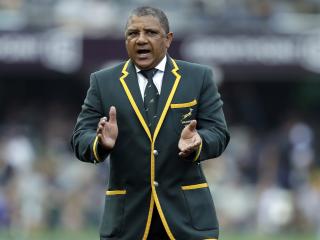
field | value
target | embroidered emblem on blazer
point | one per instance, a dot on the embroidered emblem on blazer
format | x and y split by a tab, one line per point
184	118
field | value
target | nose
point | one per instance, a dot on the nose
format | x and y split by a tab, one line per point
141	38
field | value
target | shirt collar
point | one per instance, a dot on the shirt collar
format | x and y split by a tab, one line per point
161	66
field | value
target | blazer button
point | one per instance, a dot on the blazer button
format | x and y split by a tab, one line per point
155	153
156	184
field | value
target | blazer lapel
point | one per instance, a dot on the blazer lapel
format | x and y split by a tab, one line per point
170	83
130	84
171	79
133	85
167	83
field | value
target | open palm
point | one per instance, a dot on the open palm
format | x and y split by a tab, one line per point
190	139
107	131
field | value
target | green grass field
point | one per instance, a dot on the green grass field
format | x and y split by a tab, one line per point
93	235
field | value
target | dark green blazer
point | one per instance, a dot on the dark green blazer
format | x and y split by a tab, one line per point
145	169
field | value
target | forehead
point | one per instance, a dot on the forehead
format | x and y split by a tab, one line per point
137	22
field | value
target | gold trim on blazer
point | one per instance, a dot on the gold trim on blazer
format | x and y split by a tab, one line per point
133	103
198	153
146	231
154	196
184	105
164	112
194	186
116	192
95	149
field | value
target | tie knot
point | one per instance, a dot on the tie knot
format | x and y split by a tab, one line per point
148	73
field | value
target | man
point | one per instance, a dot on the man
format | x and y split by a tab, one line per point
164	117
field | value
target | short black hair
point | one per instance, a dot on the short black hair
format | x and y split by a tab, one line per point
151	11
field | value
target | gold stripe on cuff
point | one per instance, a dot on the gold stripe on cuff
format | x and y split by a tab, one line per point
198	152
95	149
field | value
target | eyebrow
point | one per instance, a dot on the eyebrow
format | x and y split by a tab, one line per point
145	29
133	29
156	30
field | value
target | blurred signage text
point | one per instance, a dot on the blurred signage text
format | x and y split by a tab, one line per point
269	50
54	50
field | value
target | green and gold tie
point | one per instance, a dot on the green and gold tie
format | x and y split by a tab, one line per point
151	97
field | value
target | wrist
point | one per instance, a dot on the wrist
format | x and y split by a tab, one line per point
100	152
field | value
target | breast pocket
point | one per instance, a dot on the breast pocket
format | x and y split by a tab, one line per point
112	221
182	114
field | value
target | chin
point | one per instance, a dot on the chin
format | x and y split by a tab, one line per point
144	64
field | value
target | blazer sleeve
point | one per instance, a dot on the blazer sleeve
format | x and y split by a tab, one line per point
84	141
211	122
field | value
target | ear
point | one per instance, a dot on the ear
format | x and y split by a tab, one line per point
169	39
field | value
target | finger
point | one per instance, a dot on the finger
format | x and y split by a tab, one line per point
101	124
196	143
182	154
192	125
186	149
103	120
190	147
182	147
113	115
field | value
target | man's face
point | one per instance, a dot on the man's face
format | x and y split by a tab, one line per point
146	41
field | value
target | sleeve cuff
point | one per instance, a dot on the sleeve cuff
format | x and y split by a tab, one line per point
198	153
97	158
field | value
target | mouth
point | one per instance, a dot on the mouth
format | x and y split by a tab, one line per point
143	53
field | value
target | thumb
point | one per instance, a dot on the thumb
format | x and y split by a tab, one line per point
113	115
192	125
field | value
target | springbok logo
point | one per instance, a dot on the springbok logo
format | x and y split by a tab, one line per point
186	116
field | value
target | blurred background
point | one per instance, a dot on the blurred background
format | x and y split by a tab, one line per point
265	55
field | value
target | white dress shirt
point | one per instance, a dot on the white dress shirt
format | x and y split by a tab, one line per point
157	78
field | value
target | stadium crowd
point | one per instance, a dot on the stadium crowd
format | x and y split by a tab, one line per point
267	180
203	15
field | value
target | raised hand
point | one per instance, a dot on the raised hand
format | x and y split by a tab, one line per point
107	130
190	139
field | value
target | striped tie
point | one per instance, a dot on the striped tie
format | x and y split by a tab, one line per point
151	97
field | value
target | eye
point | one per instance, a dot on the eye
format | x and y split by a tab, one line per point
151	33
132	34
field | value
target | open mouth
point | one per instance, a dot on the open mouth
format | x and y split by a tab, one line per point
143	51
